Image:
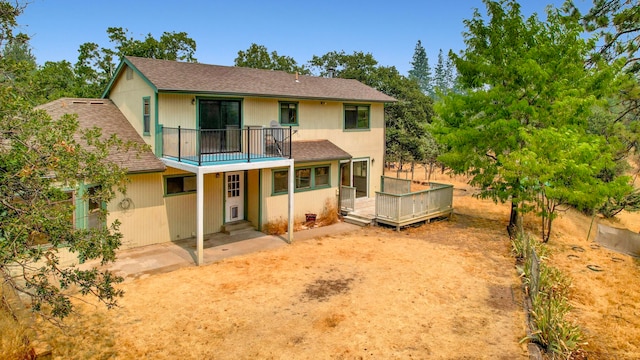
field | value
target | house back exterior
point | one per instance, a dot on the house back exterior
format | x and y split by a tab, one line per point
239	144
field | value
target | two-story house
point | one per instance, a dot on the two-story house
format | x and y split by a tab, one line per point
240	144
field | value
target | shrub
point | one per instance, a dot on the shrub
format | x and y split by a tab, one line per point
329	214
549	302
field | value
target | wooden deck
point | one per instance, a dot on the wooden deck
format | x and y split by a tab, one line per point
400	208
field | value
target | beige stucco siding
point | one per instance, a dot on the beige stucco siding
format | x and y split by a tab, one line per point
127	94
155	218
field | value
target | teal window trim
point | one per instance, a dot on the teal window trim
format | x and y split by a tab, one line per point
290	105
358	108
313	185
285	172
146	115
171	184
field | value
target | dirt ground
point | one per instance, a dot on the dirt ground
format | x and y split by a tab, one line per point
445	290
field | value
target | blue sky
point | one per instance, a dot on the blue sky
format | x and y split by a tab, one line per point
388	29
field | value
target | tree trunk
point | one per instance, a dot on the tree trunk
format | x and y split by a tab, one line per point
413	166
512	228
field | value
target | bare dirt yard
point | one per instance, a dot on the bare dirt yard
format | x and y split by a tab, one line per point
445	290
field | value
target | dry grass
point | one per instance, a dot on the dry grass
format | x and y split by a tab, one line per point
14	335
606	304
329	214
441	290
276	227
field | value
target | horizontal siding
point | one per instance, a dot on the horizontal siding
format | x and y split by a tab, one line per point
324	120
153	218
253	197
276	207
127	95
177	110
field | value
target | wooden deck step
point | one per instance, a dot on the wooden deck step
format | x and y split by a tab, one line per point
237	227
359	219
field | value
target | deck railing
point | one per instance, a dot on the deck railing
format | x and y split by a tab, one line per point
347	198
392	185
400	209
227	145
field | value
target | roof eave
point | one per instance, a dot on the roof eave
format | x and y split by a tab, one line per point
278	96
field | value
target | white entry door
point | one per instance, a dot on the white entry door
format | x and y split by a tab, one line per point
234	188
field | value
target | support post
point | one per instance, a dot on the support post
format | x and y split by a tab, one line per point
200	217
291	192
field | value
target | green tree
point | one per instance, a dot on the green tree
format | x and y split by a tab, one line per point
96	65
39	158
420	70
360	66
617	25
257	57
524	80
440	74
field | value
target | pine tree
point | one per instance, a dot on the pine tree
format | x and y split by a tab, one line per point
420	70
440	74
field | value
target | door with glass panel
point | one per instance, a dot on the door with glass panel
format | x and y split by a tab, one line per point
234	193
219	122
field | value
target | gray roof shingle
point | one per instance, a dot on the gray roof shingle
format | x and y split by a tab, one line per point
104	114
317	150
168	75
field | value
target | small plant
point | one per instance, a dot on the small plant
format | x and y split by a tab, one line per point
550	305
548	288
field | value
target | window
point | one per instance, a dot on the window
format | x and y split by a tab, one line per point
146	115
129	73
288	113
280	181
174	185
303	178
94	206
307	178
356	117
321	176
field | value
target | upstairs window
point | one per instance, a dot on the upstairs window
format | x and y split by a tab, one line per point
356	117
146	115
288	113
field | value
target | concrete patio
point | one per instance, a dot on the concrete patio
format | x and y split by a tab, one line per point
142	262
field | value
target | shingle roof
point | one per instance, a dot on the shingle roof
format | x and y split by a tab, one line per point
104	114
168	75
317	150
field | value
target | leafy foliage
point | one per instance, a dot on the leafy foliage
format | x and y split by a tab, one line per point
520	128
257	57
96	65
40	158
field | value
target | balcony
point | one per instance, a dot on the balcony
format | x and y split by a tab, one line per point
226	146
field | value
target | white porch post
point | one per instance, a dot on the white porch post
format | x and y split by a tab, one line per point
200	216
291	191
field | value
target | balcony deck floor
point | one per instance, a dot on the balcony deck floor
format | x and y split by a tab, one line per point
221	159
